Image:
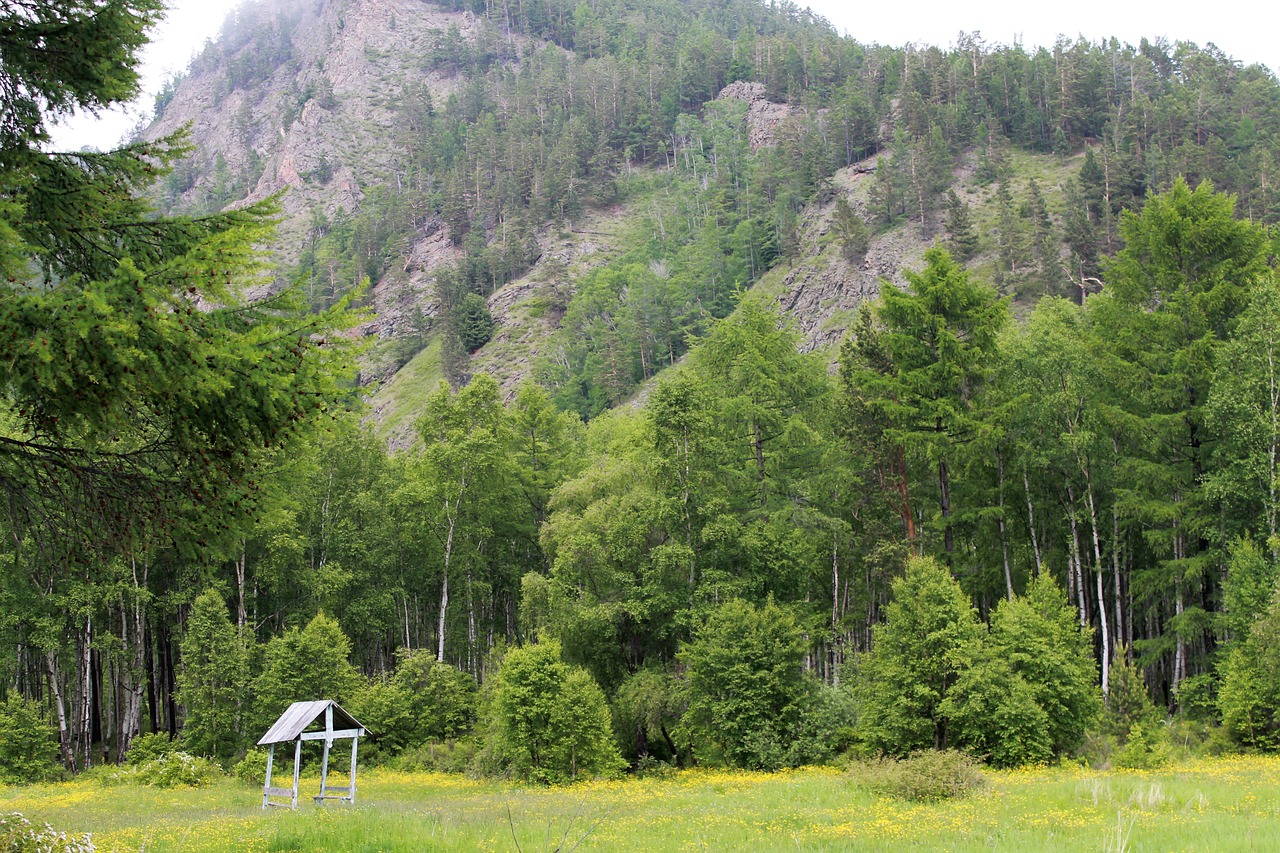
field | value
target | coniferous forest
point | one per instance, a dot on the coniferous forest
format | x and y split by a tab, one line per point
1026	507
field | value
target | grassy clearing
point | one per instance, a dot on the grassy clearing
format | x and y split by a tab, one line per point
400	401
1218	804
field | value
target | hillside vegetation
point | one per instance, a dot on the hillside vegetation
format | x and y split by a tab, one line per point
737	394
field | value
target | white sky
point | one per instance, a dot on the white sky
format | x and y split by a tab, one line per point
1236	31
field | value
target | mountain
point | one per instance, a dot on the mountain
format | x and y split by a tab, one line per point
609	178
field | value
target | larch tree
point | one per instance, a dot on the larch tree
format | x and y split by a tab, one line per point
934	349
1173	295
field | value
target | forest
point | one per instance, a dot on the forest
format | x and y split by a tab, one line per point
1028	508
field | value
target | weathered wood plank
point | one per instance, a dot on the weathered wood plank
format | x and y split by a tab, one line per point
279	792
334	735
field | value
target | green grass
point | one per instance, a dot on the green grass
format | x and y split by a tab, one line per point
399	402
1217	804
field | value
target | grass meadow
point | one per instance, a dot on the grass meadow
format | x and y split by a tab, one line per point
1216	804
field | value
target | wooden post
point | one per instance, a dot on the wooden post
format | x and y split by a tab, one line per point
297	769
351	790
266	787
328	743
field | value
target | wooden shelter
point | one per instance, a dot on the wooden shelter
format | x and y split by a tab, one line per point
298	724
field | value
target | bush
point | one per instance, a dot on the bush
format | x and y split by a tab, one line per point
252	769
916	655
746	687
827	726
425	700
926	776
1146	749
994	714
174	770
547	721
149	747
27	748
450	756
1040	637
19	835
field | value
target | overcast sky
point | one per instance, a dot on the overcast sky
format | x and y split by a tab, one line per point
1031	22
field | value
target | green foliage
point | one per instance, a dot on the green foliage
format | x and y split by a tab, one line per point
252	769
1145	749
450	756
27	749
1039	636
992	712
1249	698
925	776
646	708
1248	588
171	770
916	374
916	656
62	56
19	835
1128	702
745	685
304	665
213	680
962	238
827	727
546	721
851	231
151	746
473	322
424	700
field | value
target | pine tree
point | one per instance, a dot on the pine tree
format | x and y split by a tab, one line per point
962	239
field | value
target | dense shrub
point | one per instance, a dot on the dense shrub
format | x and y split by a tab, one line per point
745	686
925	776
916	655
1145	749
994	715
451	756
27	748
424	700
173	770
827	727
646	708
1040	637
252	769
149	747
546	721
19	835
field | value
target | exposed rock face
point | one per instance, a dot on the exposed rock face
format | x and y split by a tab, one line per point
318	127
763	116
309	98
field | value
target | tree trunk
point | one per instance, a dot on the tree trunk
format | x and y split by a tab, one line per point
451	520
1004	541
60	711
944	484
1031	521
1097	567
241	614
